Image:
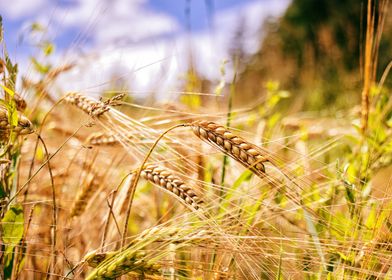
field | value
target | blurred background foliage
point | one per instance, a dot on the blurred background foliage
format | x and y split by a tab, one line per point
315	51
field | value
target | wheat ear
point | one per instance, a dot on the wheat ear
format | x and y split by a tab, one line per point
23	127
117	263
86	104
109	139
20	102
90	106
246	153
84	195
172	234
120	263
165	179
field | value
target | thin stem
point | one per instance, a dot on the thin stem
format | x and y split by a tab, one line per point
42	166
54	225
228	122
138	172
23	243
369	66
36	145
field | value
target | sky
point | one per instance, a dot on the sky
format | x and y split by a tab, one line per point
143	43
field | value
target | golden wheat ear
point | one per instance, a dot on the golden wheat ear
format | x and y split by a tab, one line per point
86	104
108	138
168	181
246	153
23	127
19	102
84	195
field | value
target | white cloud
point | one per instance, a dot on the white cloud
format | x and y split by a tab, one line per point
248	19
115	21
129	42
139	27
142	67
17	9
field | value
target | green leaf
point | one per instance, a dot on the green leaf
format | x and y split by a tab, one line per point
37	27
48	48
372	218
272	85
279	275
7	90
222	82
193	101
43	69
219	88
14	118
13	225
313	232
243	178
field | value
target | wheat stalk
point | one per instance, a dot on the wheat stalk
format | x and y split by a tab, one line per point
246	153
165	179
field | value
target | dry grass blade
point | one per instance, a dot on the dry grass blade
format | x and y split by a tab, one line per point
165	179
248	154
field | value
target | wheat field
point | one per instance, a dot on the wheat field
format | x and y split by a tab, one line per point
109	188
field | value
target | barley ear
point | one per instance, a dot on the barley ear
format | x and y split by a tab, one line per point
246	153
168	181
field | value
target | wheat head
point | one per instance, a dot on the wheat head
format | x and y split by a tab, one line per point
23	127
246	153
86	104
116	264
107	139
84	195
165	179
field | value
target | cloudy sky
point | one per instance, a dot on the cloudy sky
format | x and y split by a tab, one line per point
142	42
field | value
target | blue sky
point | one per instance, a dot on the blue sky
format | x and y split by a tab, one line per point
126	35
17	22
199	9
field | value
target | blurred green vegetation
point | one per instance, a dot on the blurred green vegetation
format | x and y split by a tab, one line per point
315	50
